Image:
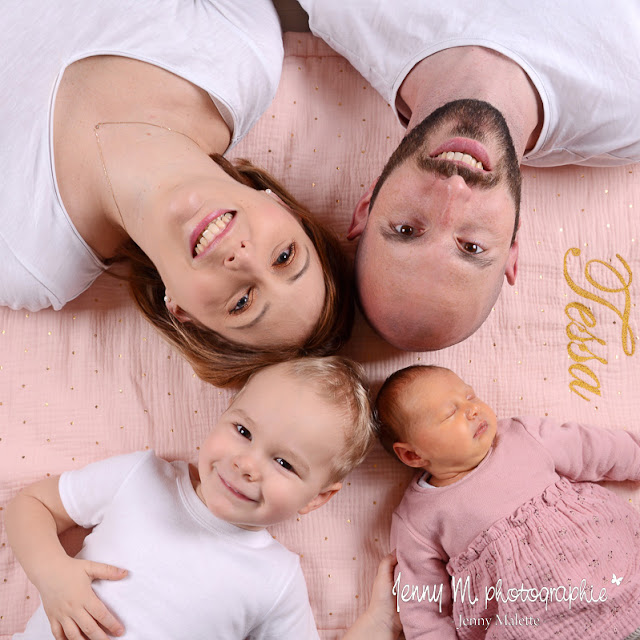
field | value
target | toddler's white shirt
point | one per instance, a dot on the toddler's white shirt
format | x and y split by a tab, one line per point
191	575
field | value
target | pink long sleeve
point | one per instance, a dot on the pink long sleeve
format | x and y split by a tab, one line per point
585	453
422	587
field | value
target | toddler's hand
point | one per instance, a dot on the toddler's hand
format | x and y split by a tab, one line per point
73	609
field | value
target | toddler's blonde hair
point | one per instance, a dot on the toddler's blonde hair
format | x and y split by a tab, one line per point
342	382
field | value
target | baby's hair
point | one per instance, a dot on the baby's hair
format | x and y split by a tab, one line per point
393	421
342	382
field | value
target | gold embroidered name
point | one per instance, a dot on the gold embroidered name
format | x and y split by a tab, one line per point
584	344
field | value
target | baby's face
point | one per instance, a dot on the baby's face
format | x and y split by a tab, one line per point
270	454
450	427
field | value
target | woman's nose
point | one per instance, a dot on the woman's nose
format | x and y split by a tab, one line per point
239	256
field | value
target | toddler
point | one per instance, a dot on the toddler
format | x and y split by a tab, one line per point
198	562
502	533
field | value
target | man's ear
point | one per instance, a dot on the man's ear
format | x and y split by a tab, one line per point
361	214
408	456
321	498
511	268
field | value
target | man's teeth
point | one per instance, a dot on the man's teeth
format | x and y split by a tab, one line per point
461	157
214	229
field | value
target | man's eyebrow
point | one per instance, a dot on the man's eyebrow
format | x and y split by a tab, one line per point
392	236
476	259
305	266
257	319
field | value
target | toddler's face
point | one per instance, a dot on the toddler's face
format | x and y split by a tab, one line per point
450	427
270	454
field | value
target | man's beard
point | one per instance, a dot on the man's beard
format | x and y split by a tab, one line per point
468	119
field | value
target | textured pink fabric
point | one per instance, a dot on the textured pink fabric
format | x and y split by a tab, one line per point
514	521
94	380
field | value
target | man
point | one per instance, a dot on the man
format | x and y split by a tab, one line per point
481	89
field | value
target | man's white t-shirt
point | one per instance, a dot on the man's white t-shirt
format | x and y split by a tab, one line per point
191	575
582	57
231	49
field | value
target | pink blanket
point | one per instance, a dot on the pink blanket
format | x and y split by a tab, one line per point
95	380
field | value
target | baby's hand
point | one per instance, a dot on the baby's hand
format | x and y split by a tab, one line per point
73	609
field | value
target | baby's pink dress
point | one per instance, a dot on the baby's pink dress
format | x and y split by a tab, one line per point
528	517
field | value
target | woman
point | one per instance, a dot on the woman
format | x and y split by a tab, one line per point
116	119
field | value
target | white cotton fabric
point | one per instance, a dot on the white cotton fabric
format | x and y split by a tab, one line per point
233	50
582	58
191	575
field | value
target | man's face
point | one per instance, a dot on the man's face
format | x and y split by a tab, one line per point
437	240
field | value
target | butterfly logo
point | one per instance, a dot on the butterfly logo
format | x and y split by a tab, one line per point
616	581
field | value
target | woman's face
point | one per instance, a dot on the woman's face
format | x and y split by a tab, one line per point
236	260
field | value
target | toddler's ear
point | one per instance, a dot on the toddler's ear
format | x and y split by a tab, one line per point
321	498
408	456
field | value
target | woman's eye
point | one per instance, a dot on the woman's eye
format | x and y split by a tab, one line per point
286	256
404	229
242	304
284	464
471	247
243	431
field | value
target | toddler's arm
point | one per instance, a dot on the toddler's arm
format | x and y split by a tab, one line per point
380	621
587	453
33	520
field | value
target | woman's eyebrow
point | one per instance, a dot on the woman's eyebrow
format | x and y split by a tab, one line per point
293	278
256	319
300	273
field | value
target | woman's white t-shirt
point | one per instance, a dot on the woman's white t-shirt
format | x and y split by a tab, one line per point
231	49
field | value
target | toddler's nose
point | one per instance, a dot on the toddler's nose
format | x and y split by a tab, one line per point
247	466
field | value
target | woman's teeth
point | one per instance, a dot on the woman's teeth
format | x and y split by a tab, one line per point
461	157
214	229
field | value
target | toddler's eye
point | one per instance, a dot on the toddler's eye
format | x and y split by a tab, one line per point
243	431
472	247
404	229
284	464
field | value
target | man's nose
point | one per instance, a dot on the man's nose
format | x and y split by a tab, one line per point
453	195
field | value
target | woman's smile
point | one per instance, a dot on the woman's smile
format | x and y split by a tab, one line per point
209	231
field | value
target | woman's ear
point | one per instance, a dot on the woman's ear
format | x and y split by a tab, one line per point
176	311
276	197
407	455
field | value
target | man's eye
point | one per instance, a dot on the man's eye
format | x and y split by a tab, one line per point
243	431
243	303
284	464
286	256
472	247
404	229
